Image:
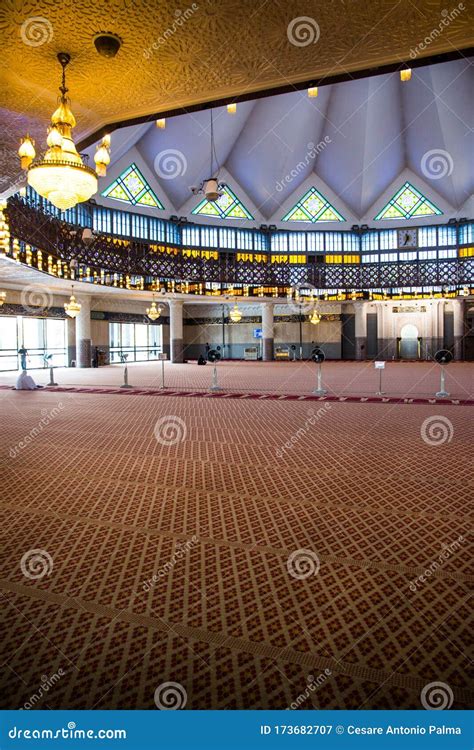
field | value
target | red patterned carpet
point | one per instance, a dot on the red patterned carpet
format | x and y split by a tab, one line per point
414	379
257	553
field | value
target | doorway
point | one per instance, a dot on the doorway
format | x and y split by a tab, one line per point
409	342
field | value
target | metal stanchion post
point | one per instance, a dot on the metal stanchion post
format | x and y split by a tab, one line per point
125	383
51	377
215	386
162	357
319	390
442	393
380	366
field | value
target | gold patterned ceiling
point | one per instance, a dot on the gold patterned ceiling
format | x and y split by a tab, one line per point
182	55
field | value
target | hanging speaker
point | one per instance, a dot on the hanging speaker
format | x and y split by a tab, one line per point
213	355
317	355
443	356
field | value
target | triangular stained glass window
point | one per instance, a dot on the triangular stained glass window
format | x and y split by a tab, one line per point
313	207
131	187
228	206
406	203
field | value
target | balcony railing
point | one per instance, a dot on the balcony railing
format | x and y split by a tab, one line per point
64	249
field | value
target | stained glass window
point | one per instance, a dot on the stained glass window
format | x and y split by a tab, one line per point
406	203
228	206
313	207
131	187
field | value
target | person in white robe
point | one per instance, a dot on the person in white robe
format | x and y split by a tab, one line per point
25	382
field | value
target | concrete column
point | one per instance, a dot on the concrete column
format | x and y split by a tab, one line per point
360	330
71	340
83	333
267	331
439	325
458	325
165	332
380	307
176	330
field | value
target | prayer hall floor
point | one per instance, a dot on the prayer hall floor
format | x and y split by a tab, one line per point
258	553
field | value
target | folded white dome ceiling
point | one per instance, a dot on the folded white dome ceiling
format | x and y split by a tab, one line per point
355	137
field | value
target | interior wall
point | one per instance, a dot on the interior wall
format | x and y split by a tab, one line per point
426	315
434	320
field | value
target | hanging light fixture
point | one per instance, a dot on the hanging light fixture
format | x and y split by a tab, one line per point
3	296
235	315
314	318
102	156
73	307
60	175
212	187
161	123
312	92
405	74
26	152
232	108
153	312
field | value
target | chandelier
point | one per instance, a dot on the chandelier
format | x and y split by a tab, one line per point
153	312
314	318
73	307
235	315
60	175
212	188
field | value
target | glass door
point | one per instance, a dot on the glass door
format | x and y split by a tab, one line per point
8	343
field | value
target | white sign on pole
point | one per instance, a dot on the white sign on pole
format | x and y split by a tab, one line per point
379	365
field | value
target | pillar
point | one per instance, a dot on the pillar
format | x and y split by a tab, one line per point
71	340
438	333
360	330
176	330
380	307
83	334
458	325
267	331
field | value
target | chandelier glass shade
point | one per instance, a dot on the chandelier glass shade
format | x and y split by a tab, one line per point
235	315
60	175
73	307
153	312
